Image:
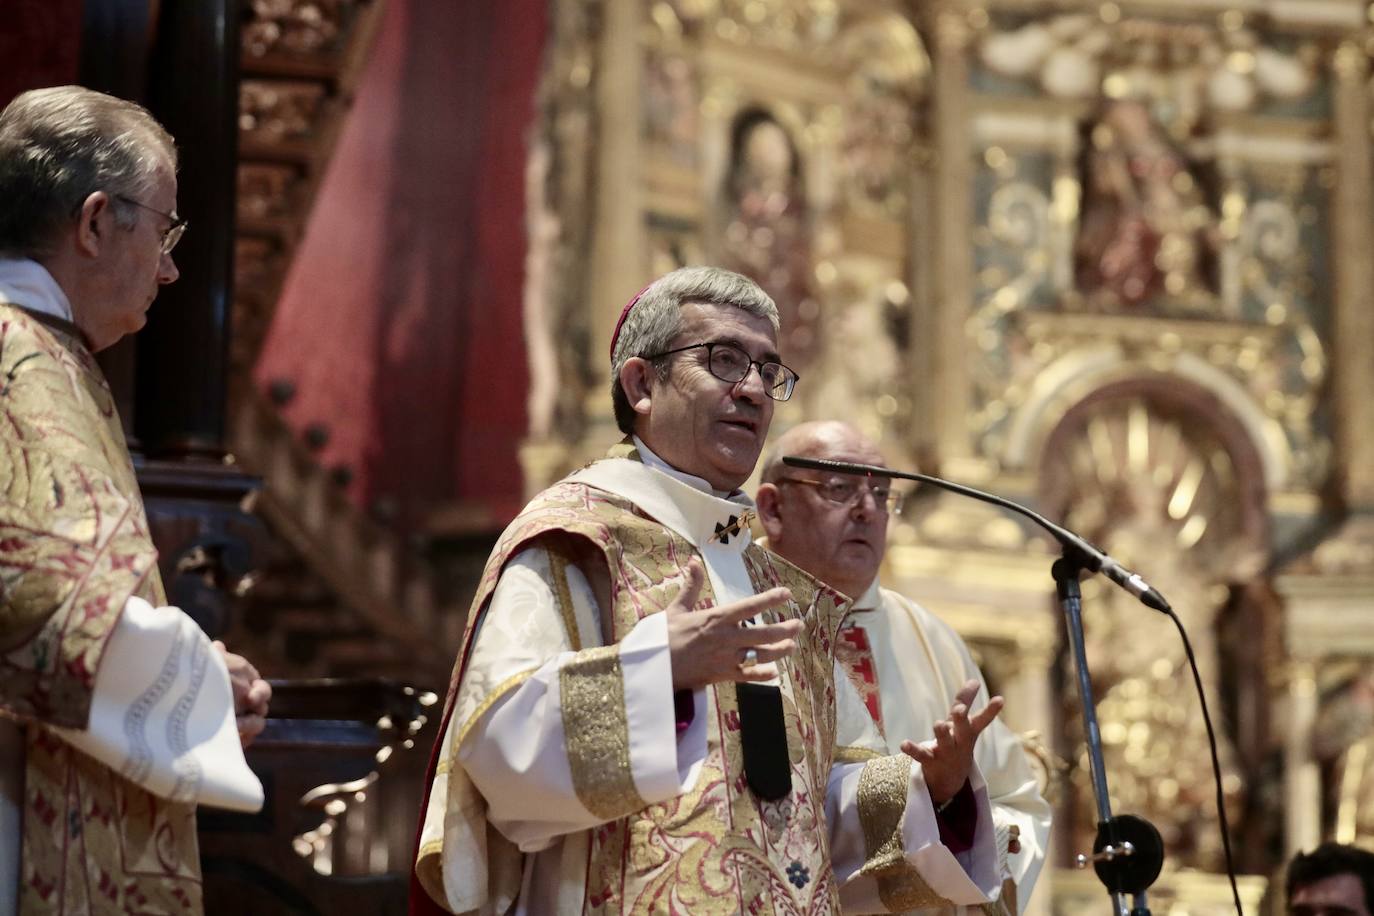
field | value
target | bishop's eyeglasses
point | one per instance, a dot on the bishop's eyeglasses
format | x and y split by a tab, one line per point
850	490
729	363
176	225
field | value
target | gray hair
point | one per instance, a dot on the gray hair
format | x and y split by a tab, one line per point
59	145
654	320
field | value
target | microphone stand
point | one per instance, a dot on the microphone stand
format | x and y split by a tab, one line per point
1128	852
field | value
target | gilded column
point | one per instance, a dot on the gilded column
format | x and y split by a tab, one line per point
1353	320
1302	777
619	258
947	349
1030	690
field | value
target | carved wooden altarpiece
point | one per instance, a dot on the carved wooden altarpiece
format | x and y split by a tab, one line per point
1108	259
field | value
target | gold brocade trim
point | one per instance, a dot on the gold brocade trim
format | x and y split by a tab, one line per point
597	733
904	889
855	755
558	568
501	690
882	797
429	868
626	449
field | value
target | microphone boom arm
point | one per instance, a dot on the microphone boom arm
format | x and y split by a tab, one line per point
1088	556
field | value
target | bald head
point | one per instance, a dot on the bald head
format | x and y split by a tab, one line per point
841	544
829	439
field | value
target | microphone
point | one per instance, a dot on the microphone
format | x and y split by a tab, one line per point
1088	556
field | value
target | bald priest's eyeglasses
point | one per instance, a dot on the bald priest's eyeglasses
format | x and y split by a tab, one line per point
849	491
729	363
176	225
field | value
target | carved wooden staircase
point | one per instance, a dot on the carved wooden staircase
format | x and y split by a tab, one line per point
341	595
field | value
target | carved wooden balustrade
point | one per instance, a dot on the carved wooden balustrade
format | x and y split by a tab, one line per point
340	782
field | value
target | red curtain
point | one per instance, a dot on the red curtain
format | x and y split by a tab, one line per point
400	322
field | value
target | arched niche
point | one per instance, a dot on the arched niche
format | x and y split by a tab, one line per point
1161	474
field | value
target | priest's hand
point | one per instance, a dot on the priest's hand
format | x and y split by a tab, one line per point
947	761
251	694
712	646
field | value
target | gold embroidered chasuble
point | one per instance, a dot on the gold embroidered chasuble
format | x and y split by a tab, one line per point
74	546
714	848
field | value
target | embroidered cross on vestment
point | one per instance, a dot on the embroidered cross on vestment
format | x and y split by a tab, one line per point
734	526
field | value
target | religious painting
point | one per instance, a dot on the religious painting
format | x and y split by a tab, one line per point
1147	232
767	233
671	103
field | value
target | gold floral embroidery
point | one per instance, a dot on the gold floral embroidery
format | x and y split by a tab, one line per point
74	546
75	541
597	734
143	848
882	800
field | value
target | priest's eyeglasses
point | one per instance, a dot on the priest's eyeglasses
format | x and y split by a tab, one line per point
729	363
176	227
849	491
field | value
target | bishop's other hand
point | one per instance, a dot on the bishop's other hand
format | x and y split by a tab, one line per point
947	761
712	646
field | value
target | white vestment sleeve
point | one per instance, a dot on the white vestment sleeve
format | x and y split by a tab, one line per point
970	878
855	790
162	712
518	752
921	663
1016	801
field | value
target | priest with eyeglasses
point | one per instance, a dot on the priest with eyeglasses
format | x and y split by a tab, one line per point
907	664
118	715
645	714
